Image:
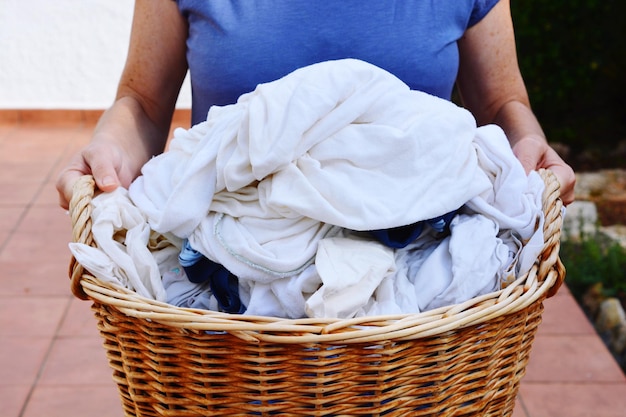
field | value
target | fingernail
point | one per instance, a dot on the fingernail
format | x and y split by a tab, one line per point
107	181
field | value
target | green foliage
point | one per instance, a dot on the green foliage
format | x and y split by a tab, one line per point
590	261
572	58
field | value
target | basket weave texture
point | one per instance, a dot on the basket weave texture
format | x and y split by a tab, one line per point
461	360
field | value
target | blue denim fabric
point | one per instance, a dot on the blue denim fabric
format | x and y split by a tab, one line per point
224	285
400	237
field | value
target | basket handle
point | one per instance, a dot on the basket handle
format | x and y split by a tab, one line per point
80	213
553	222
84	191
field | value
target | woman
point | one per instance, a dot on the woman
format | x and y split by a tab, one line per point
230	46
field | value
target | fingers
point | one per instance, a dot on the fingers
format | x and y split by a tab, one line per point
535	154
567	179
564	173
65	185
105	174
528	152
93	160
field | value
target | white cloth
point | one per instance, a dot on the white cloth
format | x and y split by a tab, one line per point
122	236
351	269
269	186
129	254
339	143
514	201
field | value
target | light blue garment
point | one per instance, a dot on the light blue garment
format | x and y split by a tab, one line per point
189	256
234	45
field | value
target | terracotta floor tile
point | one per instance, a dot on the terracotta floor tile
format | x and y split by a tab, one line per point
4	238
30	170
49	197
563	315
85	401
51	118
575	400
27	158
12	399
24	146
21	359
6	129
40	139
76	361
519	410
31	315
18	193
564	290
38	219
34	154
36	247
44	278
10	216
571	359
79	320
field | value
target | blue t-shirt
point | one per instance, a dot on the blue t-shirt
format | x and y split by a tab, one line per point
234	45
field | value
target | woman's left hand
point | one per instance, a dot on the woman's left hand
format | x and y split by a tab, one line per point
535	153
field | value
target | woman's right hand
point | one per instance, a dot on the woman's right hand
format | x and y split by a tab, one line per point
110	166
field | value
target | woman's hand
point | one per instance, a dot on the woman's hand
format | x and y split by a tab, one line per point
535	153
110	166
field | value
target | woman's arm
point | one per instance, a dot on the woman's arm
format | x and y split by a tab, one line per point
136	126
491	87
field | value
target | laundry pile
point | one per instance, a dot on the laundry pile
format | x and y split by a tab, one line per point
335	191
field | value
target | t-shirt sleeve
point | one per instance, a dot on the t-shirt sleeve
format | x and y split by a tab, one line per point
480	10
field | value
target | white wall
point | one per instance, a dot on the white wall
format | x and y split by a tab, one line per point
64	54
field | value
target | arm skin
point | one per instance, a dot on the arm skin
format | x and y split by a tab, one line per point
492	88
136	126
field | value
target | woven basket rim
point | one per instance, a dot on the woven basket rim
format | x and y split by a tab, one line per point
543	280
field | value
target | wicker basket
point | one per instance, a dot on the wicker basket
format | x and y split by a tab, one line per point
461	360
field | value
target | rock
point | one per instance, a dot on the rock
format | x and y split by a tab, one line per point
598	184
612	210
610	316
618	342
616	179
615	233
592	298
600	200
581	219
590	185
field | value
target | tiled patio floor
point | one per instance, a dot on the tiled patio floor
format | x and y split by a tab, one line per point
51	360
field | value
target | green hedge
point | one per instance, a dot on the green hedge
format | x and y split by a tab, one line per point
573	59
